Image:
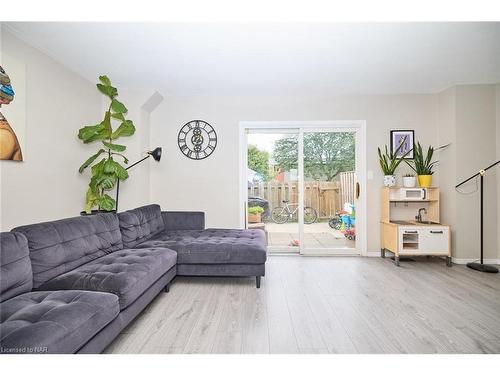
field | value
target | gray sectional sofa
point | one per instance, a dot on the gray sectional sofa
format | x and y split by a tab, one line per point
71	286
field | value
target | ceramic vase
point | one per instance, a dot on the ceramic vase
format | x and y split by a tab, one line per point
409	182
389	180
425	180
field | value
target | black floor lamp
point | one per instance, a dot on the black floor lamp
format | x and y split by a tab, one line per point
156	154
480	266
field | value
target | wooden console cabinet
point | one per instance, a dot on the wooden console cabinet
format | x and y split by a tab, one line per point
403	235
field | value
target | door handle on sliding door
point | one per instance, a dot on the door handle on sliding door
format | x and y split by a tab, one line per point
357	190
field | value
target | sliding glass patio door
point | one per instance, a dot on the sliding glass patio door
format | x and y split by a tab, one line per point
273	183
329	190
301	185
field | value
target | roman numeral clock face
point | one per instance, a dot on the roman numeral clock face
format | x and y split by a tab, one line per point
197	139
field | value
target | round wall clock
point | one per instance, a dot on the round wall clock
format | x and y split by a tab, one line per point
197	139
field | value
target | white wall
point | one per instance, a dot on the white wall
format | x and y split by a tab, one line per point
58	102
447	170
211	185
497	171
476	149
47	185
467	117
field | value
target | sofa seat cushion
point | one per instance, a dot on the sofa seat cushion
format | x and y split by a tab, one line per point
127	273
54	321
214	246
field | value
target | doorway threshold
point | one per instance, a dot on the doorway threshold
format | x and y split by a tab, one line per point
316	252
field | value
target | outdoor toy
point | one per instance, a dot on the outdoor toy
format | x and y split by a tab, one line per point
348	225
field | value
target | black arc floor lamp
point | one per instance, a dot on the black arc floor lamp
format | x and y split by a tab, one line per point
156	154
480	266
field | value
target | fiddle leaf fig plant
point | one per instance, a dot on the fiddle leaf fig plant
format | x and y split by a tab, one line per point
105	170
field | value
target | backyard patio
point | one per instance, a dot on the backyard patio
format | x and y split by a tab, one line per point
317	235
325	197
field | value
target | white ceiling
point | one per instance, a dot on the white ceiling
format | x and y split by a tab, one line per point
274	59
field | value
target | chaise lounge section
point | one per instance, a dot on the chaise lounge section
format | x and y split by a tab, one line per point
200	251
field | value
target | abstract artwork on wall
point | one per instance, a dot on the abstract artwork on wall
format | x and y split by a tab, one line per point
402	140
12	116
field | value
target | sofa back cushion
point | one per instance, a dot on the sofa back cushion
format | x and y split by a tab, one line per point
57	247
15	266
140	224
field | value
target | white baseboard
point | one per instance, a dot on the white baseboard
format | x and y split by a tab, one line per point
453	260
373	254
465	261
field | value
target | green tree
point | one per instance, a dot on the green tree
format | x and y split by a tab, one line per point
258	161
325	154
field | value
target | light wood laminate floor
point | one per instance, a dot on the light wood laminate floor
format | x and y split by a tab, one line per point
325	305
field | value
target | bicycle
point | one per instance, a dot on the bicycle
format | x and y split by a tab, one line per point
283	214
336	221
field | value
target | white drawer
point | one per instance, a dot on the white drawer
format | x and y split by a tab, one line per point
434	240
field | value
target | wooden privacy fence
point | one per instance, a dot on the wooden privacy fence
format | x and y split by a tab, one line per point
347	188
327	197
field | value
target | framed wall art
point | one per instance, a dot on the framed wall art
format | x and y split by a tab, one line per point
406	138
12	110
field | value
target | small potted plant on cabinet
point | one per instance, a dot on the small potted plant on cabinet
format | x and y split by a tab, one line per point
255	214
389	162
423	165
409	180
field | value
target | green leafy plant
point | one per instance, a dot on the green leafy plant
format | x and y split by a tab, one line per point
409	175
106	171
389	161
255	210
422	163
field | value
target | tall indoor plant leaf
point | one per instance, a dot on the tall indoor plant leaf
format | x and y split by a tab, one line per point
105	170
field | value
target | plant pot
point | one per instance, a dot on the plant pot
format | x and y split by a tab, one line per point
389	180
409	182
95	212
254	218
425	180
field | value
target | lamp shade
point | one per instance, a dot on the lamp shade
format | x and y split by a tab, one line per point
156	153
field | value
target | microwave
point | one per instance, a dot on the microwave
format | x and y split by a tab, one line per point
412	194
